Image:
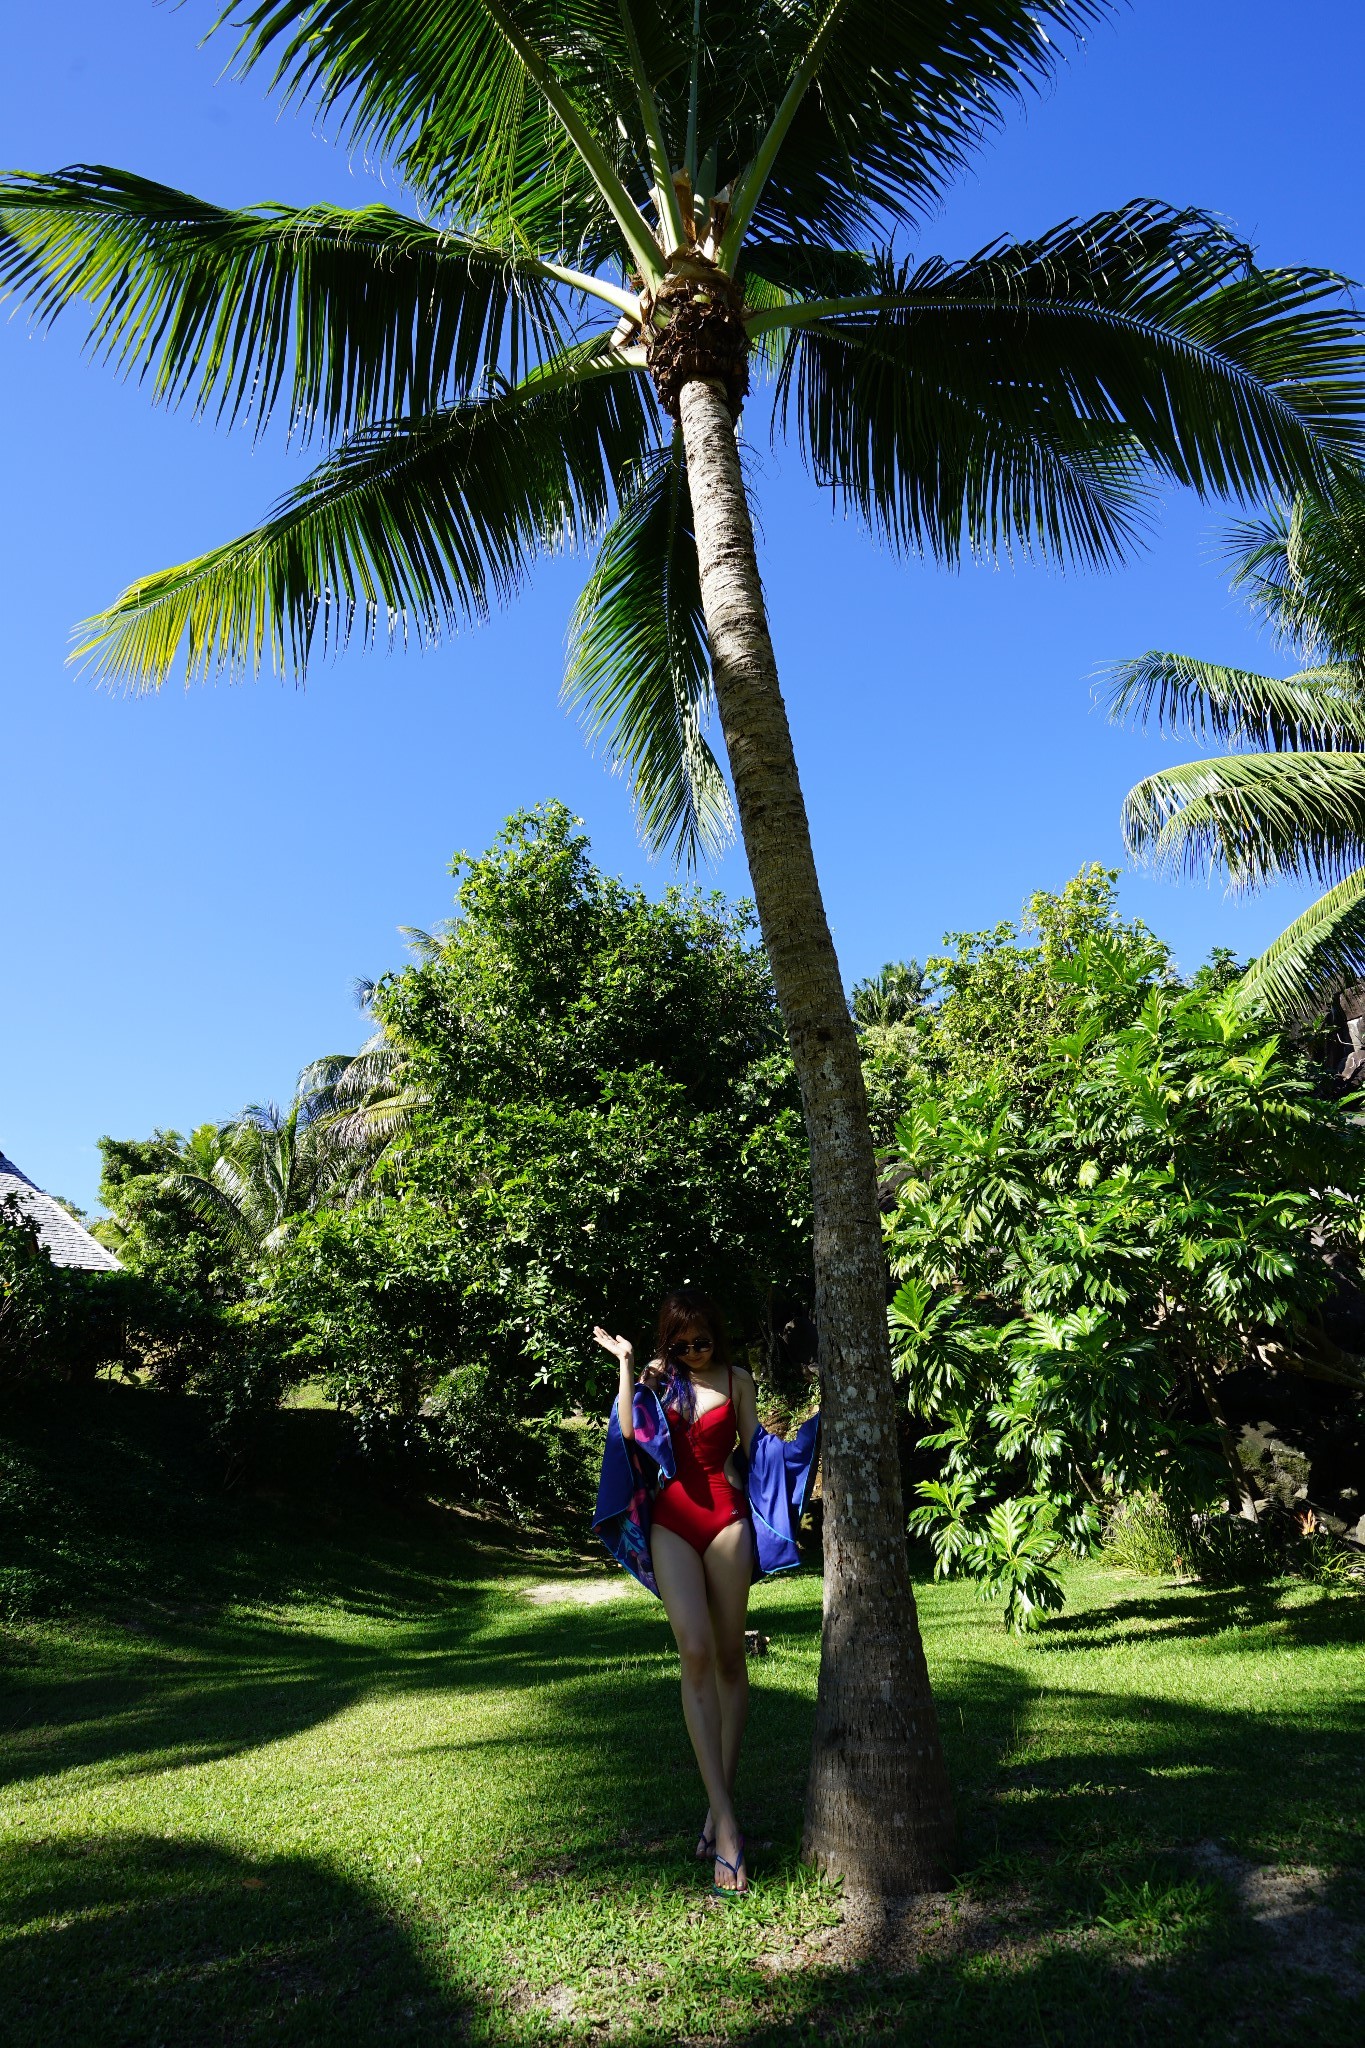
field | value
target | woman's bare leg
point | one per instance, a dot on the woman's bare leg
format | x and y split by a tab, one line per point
682	1584
728	1566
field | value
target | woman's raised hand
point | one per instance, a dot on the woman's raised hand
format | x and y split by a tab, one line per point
620	1348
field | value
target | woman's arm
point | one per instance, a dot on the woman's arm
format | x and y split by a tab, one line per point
622	1350
746	1407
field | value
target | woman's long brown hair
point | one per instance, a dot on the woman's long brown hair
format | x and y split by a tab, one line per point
680	1311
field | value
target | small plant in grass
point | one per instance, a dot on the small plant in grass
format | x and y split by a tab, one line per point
1143	1536
1326	1560
1158	1914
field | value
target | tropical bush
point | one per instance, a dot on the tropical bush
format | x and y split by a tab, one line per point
1097	1217
186	1265
1144	1534
200	1220
30	1308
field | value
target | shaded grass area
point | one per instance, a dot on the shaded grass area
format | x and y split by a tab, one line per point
293	1767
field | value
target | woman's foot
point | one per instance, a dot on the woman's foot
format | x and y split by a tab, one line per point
706	1841
731	1875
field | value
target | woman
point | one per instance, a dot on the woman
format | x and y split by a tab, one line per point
697	1499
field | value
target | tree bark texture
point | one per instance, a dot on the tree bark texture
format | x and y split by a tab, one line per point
878	1807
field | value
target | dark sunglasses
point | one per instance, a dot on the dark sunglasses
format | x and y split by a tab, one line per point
698	1344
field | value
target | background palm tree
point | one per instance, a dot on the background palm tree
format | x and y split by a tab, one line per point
1294	804
253	1177
729	188
894	996
259	1173
361	1106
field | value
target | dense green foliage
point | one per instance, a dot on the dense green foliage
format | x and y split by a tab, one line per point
1111	1187
188	1262
610	1110
1105	1191
55	1322
576	1098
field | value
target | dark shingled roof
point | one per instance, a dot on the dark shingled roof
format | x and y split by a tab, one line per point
66	1242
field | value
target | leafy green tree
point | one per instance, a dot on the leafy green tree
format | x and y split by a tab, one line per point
610	1110
1089	1239
727	189
229	1194
1001	993
190	1268
27	1298
199	1219
1294	802
254	1177
888	1012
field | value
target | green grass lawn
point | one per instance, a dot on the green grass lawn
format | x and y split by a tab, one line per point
287	1767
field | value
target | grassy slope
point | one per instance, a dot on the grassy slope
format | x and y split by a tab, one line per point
292	1770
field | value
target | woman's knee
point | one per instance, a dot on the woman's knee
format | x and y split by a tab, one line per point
730	1663
698	1655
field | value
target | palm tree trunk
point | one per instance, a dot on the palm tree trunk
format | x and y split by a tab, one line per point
878	1808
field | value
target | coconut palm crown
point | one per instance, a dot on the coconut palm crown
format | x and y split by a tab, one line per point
1292	803
624	214
726	187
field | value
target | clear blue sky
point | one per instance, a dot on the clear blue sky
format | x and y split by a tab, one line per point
193	882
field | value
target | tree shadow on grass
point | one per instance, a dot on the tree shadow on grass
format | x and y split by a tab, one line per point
125	1941
1062	1792
135	1942
112	1506
1204	1612
1052	1774
190	1693
1058	1991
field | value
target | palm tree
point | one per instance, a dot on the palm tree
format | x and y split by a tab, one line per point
730	189
892	997
1294	804
360	1107
255	1176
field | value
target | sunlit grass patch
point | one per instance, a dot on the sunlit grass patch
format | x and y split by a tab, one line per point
335	1778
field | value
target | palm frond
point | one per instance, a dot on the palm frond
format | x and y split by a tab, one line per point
513	117
420	524
639	668
777	275
955	406
358	1108
424	945
1320	953
1320	710
210	1201
936	471
1258	816
1303	569
367	313
878	106
900	93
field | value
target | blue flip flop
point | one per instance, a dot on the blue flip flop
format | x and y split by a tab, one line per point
731	1892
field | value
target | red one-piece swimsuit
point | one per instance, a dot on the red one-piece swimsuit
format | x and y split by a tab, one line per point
701	1501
